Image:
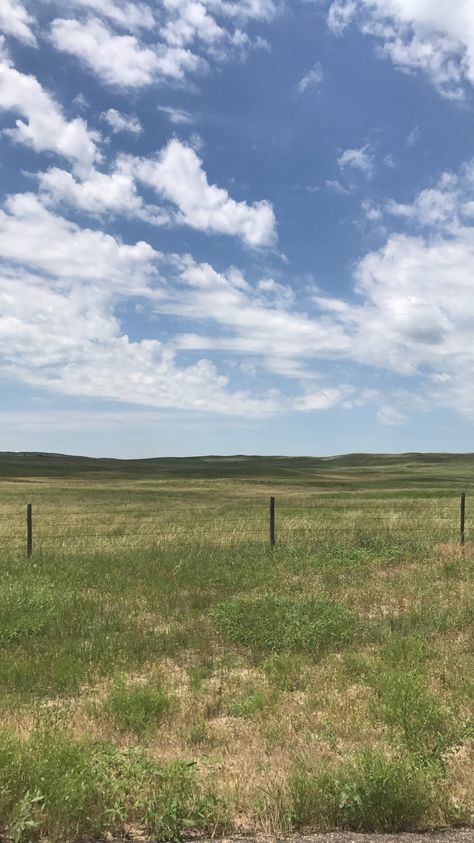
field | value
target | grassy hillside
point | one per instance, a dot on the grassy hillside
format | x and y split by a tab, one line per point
355	471
164	670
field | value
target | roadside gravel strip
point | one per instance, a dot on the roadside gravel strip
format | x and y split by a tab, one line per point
451	836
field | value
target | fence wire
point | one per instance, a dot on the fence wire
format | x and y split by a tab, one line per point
313	521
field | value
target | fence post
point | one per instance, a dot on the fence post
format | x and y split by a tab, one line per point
272	521
463	516
29	530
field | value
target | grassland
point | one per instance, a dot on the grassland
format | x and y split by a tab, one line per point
163	670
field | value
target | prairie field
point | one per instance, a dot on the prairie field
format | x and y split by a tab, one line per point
165	671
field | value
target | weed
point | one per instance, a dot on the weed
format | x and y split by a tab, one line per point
64	789
24	825
409	708
138	709
248	705
370	793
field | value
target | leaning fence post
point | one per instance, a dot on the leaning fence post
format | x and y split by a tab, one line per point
29	530
272	521
463	516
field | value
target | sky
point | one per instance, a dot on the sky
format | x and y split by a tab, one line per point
236	226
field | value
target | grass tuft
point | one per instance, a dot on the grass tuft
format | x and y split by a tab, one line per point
139	709
270	623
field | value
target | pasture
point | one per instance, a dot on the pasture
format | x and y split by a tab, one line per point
163	670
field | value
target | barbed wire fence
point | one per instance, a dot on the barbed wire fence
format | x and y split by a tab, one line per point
272	522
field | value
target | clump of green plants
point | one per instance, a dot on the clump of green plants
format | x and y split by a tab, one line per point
284	624
25	820
248	705
413	713
65	789
138	708
28	607
368	793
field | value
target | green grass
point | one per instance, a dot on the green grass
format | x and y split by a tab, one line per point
369	793
163	670
138	709
270	623
60	787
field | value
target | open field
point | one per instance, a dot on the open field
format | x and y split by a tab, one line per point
164	670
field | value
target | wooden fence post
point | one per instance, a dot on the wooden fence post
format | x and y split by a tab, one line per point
463	516
272	521
29	530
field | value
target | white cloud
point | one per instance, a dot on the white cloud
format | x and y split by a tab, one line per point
100	194
311	81
16	21
358	159
390	415
416	316
434	36
59	288
191	34
413	316
33	236
121	60
130	16
190	21
336	187
442	206
255	321
45	128
413	138
178	175
177	116
340	15
119	122
69	342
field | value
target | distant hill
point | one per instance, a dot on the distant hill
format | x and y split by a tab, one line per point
442	469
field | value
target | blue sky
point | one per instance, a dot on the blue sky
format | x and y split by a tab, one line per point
236	227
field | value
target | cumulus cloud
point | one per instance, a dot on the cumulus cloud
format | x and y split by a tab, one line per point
68	341
190	35
109	194
16	21
413	315
44	127
60	285
127	15
443	207
119	122
311	80
32	235
121	60
178	176
358	159
432	36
